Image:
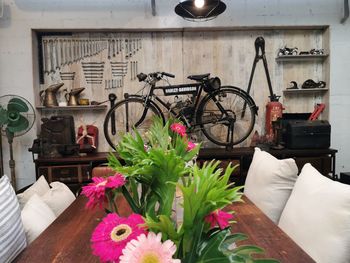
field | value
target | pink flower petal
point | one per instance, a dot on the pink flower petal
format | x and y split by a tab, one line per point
178	128
219	217
113	233
150	246
190	146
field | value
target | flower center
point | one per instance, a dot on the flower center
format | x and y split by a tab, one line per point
120	232
150	257
102	183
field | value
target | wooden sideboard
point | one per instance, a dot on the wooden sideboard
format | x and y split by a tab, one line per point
76	170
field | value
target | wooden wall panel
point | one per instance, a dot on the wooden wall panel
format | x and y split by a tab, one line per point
228	54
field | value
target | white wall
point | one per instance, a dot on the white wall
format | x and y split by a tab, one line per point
20	16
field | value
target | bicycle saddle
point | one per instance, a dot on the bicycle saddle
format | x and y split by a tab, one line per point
198	77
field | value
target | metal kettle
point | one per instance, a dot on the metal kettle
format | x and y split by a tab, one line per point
72	96
50	99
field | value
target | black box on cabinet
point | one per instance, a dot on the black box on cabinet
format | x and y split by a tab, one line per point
304	134
345	178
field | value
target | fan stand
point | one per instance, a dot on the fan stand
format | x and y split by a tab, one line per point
10	136
1	158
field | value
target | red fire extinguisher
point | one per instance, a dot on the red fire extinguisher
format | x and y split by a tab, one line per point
274	111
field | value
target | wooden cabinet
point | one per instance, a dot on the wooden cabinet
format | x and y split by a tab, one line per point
75	171
322	159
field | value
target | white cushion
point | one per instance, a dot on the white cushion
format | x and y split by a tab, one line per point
270	182
317	217
12	237
40	187
36	217
58	198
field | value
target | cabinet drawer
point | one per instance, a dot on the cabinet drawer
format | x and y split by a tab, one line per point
66	173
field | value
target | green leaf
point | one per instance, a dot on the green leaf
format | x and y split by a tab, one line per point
265	260
233	238
247	250
209	250
166	226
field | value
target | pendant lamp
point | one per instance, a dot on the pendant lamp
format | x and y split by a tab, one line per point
200	10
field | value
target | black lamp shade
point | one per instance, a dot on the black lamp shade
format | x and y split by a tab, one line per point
210	10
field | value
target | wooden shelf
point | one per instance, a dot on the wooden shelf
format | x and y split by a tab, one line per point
295	91
287	58
79	107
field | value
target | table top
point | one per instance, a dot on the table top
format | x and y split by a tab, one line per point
67	239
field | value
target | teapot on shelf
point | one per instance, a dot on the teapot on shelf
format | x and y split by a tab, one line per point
49	99
72	97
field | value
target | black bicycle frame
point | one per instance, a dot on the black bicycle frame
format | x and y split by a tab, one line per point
195	89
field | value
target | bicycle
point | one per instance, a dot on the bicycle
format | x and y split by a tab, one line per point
218	114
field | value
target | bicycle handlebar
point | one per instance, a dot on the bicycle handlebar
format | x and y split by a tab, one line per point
168	74
156	75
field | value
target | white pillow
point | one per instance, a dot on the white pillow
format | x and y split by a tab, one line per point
58	198
270	182
36	217
12	237
317	217
40	187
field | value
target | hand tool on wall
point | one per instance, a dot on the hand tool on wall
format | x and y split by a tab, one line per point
53	56
63	53
273	108
119	68
93	71
46	57
131	70
138	44
74	50
134	46
112	84
58	54
112	98
109	49
69	52
319	108
113	47
121	45
126	48
130	48
67	75
117	46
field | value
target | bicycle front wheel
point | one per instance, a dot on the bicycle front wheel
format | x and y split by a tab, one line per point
126	115
226	116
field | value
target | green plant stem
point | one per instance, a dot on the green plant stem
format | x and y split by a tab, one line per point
112	205
130	200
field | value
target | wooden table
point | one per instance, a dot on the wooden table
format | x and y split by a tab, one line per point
66	240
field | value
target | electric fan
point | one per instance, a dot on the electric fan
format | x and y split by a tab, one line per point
17	117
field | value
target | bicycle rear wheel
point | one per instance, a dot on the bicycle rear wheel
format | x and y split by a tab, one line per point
128	114
220	116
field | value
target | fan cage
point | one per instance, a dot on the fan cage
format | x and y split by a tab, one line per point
30	115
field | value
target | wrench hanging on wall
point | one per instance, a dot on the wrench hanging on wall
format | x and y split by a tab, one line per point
58	54
46	57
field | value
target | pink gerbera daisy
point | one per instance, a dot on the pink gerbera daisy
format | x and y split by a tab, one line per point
149	249
95	191
219	217
178	128
113	233
190	146
115	181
